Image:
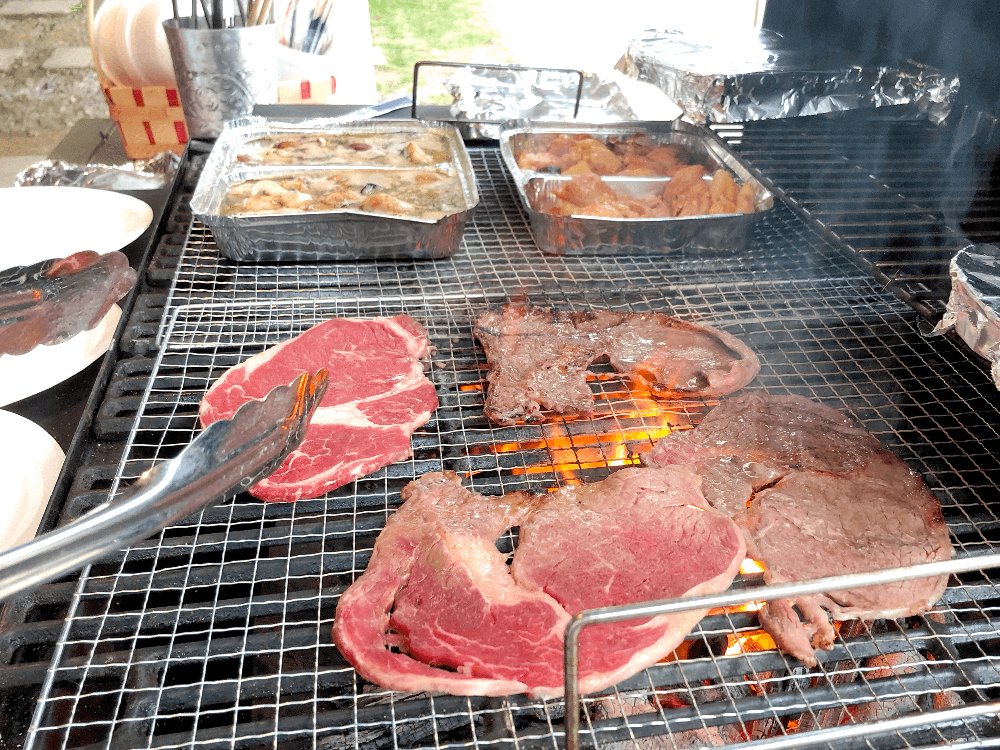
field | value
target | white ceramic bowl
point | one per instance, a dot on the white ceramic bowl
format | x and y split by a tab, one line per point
30	465
40	223
45	222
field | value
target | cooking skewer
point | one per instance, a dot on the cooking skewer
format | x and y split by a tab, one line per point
227	457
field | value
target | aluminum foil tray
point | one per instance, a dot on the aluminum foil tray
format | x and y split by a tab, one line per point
759	75
583	235
335	235
973	310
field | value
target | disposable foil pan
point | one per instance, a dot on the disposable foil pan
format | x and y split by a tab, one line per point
336	235
586	235
973	310
758	75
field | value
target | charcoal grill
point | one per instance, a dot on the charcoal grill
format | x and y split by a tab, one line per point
216	632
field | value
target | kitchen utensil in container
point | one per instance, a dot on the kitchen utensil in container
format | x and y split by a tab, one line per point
221	72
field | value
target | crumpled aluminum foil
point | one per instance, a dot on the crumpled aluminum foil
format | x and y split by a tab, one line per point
496	95
148	174
973	309
759	75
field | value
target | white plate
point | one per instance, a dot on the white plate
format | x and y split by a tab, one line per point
25	375
39	223
29	465
106	23
146	43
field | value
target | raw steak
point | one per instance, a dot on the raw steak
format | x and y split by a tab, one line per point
817	497
539	358
439	609
376	397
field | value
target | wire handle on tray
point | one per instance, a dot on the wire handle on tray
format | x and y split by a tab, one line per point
228	456
771	592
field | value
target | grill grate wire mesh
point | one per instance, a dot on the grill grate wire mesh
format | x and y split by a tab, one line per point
216	632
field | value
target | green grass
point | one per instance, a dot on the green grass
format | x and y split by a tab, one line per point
412	30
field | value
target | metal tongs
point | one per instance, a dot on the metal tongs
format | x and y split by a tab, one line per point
227	457
53	300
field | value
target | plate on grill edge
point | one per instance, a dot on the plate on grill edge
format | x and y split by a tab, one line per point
30	465
45	366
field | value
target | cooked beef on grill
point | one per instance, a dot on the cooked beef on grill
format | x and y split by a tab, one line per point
441	609
539	358
817	497
376	397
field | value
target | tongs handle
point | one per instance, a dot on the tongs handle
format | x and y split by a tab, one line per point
229	456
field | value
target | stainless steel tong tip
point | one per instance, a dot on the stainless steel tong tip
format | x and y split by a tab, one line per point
228	456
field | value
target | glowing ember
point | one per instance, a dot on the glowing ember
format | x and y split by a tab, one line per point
746	643
751	567
598	441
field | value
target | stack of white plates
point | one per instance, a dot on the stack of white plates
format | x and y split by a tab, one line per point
130	44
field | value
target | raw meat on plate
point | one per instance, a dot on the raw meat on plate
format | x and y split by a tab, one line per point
440	609
817	497
376	397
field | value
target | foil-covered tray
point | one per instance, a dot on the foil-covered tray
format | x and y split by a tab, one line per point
973	310
758	74
599	235
331	234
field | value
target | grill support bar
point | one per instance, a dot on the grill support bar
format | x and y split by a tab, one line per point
571	655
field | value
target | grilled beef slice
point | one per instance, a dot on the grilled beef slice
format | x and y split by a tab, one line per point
816	497
539	358
440	609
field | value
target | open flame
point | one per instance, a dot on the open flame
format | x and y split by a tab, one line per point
749	642
624	426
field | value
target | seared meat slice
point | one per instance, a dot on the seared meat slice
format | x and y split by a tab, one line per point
751	440
539	358
816	497
439	609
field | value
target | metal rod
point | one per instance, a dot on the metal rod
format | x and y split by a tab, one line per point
621	612
850	731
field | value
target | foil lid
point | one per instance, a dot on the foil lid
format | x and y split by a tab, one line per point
760	75
489	97
973	310
148	174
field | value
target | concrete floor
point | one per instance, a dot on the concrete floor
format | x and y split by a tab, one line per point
47	80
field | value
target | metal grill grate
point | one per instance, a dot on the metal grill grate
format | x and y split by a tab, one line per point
217	631
498	253
905	195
